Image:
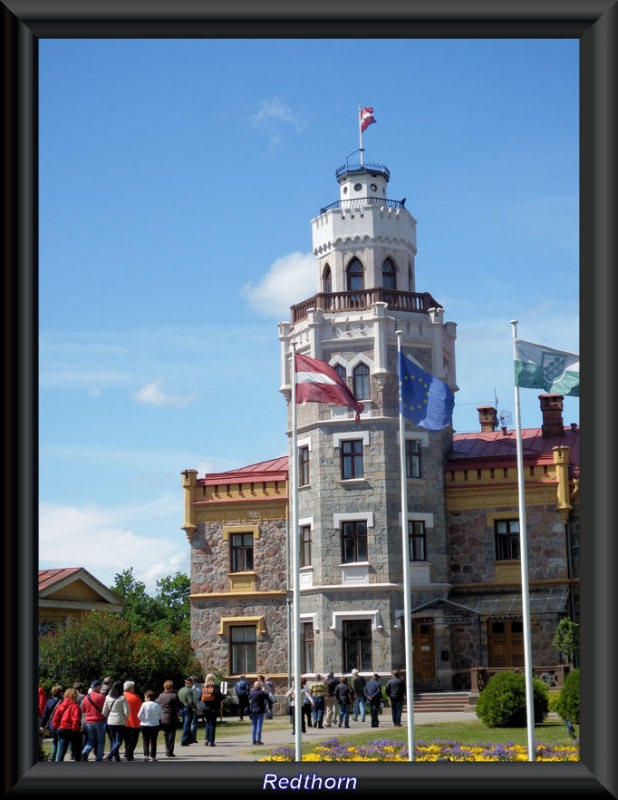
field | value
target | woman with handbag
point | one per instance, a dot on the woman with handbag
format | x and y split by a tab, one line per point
116	710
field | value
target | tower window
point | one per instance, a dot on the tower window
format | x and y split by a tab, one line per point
328	280
303	466
361	382
351	459
355	275
416	537
305	546
354	542
388	274
413	458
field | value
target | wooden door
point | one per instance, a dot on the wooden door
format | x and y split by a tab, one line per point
424	662
505	644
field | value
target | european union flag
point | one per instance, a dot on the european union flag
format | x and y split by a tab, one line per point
423	398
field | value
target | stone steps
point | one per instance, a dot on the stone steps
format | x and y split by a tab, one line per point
442	701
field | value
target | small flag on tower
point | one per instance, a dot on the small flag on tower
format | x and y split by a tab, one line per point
366	118
317	382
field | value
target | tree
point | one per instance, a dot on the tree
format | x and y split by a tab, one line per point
173	599
141	611
102	643
566	638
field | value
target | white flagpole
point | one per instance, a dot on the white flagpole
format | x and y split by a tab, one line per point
360	136
523	547
407	608
298	705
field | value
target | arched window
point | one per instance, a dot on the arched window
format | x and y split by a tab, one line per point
328	280
355	275
340	370
361	382
388	274
410	279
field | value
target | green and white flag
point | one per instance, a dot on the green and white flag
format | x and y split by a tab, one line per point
539	367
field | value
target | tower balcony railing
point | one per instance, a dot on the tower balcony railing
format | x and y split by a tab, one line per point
363	299
357	202
357	169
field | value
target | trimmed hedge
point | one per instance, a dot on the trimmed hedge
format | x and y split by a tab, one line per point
568	702
502	703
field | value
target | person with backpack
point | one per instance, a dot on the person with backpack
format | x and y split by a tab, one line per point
242	693
212	697
396	692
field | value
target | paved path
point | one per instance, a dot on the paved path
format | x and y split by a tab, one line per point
239	748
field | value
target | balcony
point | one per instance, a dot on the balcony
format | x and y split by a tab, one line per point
364	299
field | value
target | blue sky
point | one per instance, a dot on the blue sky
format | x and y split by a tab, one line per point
178	180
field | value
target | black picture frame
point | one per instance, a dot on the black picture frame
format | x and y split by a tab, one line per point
595	24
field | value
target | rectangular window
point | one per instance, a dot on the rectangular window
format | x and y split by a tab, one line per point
306	634
241	552
416	536
351	459
507	539
357	645
305	548
242	649
303	466
413	458
354	542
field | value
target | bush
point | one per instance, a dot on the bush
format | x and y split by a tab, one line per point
568	702
553	699
502	703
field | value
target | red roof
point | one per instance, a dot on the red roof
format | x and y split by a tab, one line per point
48	577
274	470
494	448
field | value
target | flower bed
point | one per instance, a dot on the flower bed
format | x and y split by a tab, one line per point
438	750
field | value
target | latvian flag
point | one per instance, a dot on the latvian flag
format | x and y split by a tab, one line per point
366	118
317	382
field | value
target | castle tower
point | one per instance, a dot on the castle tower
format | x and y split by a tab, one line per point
349	495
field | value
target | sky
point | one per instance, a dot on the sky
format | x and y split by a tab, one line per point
178	181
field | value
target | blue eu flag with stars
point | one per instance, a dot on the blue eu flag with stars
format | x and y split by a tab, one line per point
423	398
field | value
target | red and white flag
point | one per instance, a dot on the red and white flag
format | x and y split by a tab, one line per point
317	382
366	118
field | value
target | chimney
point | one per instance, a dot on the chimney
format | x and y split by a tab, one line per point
551	409
488	417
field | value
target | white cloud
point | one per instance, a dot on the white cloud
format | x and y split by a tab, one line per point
289	280
273	116
153	394
105	541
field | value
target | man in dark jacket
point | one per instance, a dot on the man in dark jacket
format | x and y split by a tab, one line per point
373	693
242	693
396	693
330	701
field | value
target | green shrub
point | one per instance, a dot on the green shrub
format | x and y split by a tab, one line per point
553	698
502	703
568	702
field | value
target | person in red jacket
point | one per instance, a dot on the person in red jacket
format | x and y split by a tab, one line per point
67	721
132	725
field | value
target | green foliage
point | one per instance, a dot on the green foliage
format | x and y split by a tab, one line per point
167	612
568	702
553	698
502	703
102	643
566	638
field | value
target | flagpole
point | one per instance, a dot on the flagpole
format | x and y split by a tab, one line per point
360	136
407	609
298	703
523	547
